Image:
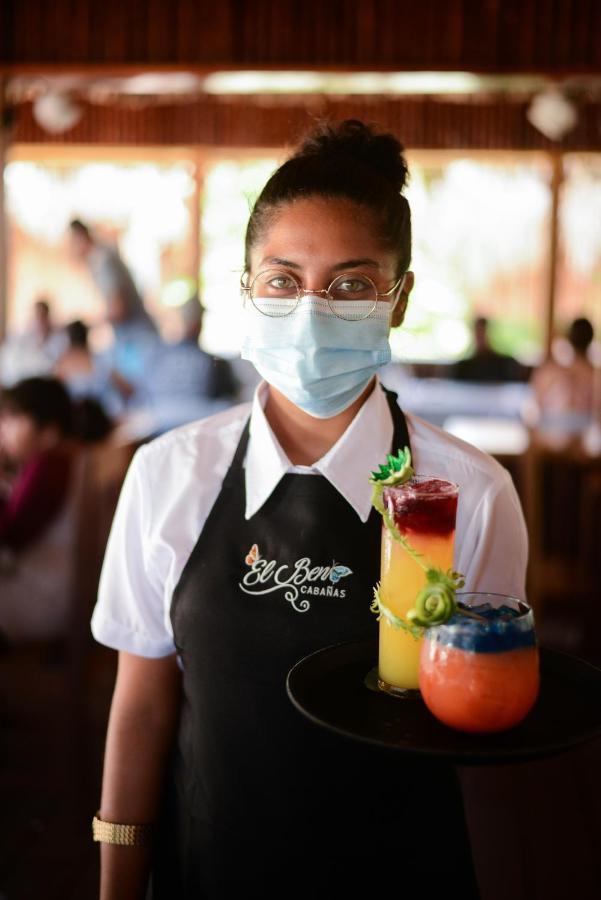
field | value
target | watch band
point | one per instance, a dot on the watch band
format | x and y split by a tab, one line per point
125	835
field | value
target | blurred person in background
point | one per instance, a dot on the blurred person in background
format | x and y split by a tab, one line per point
564	393
486	364
85	375
134	332
41	431
35	350
36	462
184	382
35	424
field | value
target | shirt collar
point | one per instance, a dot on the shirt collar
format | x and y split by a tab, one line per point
346	465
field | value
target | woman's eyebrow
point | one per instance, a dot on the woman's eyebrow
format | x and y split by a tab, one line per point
278	261
354	263
339	267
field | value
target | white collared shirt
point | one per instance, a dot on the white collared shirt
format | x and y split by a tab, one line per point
173	482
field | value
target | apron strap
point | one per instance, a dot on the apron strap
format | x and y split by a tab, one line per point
400	437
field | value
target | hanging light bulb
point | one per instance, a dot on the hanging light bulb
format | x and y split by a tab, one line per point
56	112
552	114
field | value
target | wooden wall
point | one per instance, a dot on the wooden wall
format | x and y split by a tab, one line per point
419	123
477	35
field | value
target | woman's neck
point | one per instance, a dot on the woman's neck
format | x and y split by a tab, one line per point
303	438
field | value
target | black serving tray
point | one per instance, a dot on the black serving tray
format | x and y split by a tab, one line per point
329	688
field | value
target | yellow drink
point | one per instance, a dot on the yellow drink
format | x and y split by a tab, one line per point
423	511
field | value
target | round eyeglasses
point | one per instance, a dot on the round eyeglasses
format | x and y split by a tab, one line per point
352	296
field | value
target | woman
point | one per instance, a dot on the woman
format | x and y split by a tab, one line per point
249	795
35	518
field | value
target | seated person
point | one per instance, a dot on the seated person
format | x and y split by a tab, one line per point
35	351
184	382
35	421
486	364
76	367
564	393
89	382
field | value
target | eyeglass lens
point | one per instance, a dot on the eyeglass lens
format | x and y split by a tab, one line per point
351	296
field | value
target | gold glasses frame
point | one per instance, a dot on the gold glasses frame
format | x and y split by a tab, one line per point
246	291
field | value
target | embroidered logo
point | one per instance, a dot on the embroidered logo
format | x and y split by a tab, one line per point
296	581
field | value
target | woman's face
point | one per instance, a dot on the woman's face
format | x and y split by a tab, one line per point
20	436
317	239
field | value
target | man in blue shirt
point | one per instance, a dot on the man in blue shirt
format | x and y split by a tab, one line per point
184	382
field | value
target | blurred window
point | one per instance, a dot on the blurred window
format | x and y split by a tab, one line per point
579	264
230	189
144	206
480	248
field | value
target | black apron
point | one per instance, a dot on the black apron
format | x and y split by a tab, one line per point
257	798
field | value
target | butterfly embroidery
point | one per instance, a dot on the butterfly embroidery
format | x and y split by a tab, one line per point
338	572
252	556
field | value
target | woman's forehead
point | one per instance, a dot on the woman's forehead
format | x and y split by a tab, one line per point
317	228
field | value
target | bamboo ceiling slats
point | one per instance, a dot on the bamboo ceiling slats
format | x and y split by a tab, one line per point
478	35
420	123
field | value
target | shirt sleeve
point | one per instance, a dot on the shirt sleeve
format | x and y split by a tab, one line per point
493	554
130	609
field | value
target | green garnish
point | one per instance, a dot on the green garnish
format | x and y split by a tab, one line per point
436	602
397	470
378	607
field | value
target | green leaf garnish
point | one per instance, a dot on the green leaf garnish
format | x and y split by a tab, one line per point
378	607
398	469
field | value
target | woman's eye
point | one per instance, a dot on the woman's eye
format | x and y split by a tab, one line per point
352	285
281	283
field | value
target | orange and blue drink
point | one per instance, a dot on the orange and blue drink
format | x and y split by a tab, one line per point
481	675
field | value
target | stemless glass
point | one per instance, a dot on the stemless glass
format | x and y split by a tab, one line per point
424	511
481	674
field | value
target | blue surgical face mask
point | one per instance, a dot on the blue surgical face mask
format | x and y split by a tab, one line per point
319	361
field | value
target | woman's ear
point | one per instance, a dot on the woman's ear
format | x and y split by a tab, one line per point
398	313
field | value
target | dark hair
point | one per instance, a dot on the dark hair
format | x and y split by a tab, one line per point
90	420
77	332
580	335
42	303
80	228
45	400
350	160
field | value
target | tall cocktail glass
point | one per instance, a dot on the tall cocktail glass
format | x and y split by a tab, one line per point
480	673
423	511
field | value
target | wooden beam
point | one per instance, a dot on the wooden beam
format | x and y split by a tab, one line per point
424	123
5	128
557	178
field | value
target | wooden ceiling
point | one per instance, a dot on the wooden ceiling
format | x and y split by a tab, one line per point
556	38
553	36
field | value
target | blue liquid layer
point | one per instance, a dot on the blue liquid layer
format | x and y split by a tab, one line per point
506	629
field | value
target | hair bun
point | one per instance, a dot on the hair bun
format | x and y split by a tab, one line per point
353	139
